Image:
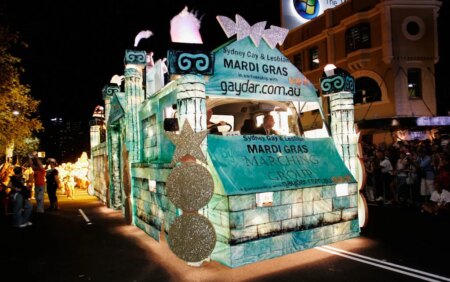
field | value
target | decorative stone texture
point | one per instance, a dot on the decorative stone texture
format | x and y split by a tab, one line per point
328	192
218	202
270	255
349	214
340	203
256	216
299	238
220	218
332	217
322	206
276	198
222	253
244	261
242	202
279	213
353	199
322	233
311	194
223	234
236	220
308	208
291	224
257	248
291	196
238	252
268	229
313	221
342	228
297	210
244	234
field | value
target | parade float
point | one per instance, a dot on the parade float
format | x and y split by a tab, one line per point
231	197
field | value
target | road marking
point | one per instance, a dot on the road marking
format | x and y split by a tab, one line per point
383	264
85	217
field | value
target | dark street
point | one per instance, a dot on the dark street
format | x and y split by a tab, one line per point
85	241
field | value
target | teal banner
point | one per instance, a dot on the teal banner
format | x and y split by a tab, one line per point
257	163
242	70
117	106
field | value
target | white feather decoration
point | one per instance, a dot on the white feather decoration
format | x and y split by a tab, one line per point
117	79
141	35
185	27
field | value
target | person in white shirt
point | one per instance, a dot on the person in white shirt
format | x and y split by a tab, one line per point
386	177
439	203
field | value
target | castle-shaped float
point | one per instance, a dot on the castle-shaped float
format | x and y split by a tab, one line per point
231	196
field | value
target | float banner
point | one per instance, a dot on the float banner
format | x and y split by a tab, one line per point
117	106
242	70
257	163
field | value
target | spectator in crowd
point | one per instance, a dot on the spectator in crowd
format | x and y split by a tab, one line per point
386	176
20	193
426	172
439	203
53	183
370	182
39	180
401	169
443	171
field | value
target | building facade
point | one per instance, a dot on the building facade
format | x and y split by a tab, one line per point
390	48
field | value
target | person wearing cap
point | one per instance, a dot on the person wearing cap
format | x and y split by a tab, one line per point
53	183
20	193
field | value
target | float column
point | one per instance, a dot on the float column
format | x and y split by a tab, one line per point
135	62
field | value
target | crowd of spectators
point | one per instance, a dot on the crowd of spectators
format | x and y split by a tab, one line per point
406	172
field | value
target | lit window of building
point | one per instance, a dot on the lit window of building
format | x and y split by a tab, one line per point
414	85
313	58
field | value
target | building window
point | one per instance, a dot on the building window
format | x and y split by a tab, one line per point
414	83
413	28
367	91
357	37
313	58
298	61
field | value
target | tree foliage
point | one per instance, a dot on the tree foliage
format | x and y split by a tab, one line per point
19	120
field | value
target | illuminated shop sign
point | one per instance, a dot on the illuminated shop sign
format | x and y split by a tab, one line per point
433	121
298	12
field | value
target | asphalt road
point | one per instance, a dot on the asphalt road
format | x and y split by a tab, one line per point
85	241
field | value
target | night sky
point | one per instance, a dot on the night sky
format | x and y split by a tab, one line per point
75	47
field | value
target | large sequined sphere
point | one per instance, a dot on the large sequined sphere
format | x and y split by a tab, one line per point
192	237
190	186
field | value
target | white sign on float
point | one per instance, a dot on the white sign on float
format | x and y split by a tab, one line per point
298	12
